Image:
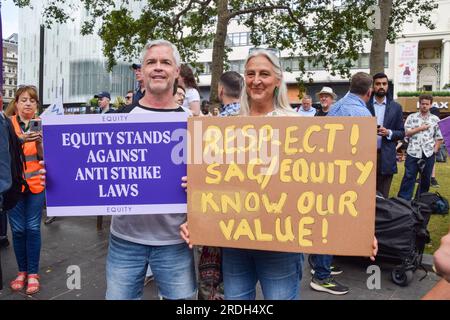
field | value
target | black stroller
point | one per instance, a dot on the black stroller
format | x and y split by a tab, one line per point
401	231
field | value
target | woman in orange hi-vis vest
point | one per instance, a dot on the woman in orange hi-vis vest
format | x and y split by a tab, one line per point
25	217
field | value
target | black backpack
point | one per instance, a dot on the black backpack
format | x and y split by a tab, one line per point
437	203
15	193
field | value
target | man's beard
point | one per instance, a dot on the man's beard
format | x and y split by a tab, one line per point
380	93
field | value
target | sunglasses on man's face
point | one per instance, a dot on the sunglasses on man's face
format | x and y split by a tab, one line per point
128	97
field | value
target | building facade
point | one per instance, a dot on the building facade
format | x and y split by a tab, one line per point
74	66
9	68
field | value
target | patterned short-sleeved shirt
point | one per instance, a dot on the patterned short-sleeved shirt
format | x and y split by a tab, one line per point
422	141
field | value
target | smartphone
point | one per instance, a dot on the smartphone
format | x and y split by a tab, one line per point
35	125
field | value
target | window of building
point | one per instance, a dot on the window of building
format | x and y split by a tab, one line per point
238	39
237	65
364	61
10	93
206	68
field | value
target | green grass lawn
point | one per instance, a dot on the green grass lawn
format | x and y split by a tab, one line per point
439	225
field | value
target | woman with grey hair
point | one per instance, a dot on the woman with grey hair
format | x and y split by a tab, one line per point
279	273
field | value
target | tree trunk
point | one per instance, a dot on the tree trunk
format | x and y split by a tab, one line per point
218	55
380	37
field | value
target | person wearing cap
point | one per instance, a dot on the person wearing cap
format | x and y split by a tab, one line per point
103	102
326	97
140	89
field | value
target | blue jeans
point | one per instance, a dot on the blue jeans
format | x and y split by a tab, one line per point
279	274
409	178
321	263
25	220
126	266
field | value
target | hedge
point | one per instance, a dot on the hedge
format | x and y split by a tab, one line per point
418	93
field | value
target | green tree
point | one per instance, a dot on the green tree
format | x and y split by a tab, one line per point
393	14
322	32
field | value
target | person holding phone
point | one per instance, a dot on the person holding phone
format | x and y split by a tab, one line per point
25	217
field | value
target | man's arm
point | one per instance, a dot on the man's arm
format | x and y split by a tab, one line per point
411	132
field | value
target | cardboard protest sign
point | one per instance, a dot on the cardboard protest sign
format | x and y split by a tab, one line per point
283	183
115	164
444	125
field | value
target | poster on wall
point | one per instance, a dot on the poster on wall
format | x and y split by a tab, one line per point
407	62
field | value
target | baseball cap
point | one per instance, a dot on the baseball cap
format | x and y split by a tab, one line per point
103	94
136	66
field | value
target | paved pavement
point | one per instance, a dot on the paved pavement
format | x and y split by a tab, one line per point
76	241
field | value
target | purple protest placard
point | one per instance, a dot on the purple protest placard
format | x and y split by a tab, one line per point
115	164
444	125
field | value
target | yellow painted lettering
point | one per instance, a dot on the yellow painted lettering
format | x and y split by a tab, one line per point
227	201
317	177
305	202
332	129
226	228
365	169
274	207
207	199
212	137
288	140
343	164
256	202
243	229
285	167
330	205
229	138
300	171
234	171
217	175
260	236
347	200
251	170
306	146
288	234
303	231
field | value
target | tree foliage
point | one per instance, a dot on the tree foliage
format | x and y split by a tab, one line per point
317	30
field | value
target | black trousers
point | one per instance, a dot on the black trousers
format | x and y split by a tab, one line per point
384	181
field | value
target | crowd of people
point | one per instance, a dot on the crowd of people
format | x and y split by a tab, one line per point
157	246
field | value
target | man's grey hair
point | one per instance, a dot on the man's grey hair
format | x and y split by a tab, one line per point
162	42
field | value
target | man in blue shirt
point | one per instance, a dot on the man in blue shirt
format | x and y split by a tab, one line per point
354	102
229	91
352	105
306	109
